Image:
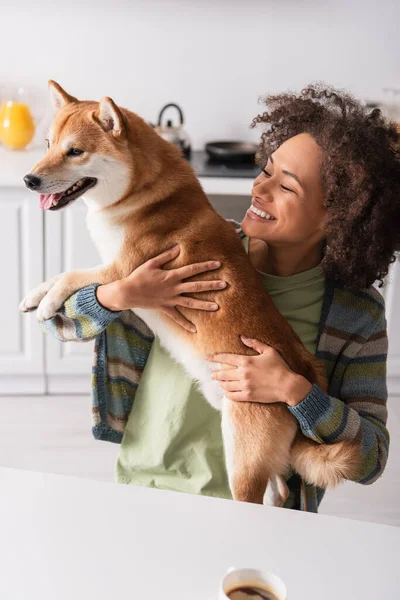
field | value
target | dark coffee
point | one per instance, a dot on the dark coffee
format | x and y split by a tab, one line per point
250	592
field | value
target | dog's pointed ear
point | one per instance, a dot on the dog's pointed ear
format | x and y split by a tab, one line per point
110	117
59	97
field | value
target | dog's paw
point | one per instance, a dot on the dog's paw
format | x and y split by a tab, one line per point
24	306
47	309
32	299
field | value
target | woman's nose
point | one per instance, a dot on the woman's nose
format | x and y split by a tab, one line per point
263	190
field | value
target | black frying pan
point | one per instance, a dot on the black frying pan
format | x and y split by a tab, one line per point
231	151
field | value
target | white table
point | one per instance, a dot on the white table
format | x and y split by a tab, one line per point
64	538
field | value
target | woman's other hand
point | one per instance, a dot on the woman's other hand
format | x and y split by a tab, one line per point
264	378
151	286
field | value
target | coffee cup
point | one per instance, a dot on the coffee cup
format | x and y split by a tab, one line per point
239	582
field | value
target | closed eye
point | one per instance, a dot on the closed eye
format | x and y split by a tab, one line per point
74	152
287	189
282	186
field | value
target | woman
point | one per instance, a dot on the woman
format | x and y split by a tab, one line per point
321	228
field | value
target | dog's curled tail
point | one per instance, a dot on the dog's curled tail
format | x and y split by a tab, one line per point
325	465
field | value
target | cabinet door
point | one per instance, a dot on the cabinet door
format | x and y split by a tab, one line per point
21	258
68	246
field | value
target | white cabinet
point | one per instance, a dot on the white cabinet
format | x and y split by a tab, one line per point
68	246
21	258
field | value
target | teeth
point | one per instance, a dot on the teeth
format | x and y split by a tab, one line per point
75	187
55	202
262	214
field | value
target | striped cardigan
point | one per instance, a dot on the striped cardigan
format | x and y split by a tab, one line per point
352	342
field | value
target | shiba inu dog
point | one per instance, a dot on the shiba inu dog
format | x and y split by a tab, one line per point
143	197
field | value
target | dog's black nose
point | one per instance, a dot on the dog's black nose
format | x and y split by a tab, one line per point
32	182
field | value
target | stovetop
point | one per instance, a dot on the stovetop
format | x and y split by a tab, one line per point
205	167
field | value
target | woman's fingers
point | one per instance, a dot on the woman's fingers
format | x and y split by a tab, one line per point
231	386
195	269
192	287
235	360
196	304
237	396
178	317
227	375
161	259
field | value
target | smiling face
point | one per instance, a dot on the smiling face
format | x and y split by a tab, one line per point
287	197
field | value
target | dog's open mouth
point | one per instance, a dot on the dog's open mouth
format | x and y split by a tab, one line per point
61	199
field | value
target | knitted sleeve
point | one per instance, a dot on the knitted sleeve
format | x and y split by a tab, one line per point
81	318
360	413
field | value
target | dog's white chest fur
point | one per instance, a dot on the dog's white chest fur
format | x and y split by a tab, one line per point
107	237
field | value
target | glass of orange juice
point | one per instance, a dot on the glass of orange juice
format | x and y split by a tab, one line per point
21	109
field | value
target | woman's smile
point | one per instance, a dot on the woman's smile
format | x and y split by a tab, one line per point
257	213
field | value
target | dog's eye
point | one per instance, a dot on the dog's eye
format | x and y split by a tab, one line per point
74	152
47	144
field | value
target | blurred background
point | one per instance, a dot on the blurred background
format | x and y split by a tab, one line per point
214	59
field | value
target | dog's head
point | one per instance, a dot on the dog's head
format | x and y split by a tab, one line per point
87	148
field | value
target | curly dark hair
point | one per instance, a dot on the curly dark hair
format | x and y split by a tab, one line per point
360	176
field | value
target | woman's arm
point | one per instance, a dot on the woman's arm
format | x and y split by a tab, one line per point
360	414
90	310
81	318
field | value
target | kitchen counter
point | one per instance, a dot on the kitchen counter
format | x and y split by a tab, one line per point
64	537
215	179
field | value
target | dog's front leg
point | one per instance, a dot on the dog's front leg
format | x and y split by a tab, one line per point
35	296
68	283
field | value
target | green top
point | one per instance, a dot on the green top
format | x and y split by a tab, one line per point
173	436
301	309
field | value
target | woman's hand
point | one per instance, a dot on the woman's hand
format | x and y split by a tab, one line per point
151	286
264	378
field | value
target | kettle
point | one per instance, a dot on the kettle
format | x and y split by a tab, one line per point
176	135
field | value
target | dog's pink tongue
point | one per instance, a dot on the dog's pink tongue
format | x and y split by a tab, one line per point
46	200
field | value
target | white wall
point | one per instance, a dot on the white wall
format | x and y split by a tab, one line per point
214	58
